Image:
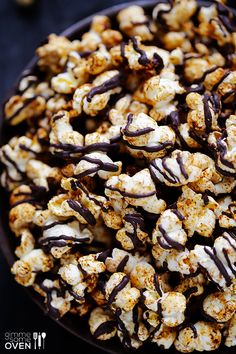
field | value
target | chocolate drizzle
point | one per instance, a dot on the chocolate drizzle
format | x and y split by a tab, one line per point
104	166
218	264
157	284
139	132
122	264
108	85
83	211
143	60
170	242
105	328
130	195
26	103
136	221
117	289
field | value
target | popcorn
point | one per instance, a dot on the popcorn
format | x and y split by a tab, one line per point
217	262
122	184
176	13
19	108
220	306
30	264
15	156
226	153
159	92
163	336
204	112
134	22
133	234
93	98
199	212
180	168
59	236
97	163
127	187
169	232
200	336
102	324
145	138
139	56
58	301
119	293
231	331
227	217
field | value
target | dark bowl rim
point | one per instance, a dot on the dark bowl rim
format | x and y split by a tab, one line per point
66	323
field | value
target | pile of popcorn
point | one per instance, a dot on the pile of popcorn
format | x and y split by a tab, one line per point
122	188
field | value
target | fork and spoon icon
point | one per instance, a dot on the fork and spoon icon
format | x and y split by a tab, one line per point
39	340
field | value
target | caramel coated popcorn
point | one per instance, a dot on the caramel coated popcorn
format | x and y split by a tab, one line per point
121	174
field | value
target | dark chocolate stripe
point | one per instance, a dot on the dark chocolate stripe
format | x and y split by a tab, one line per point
154	148
218	264
104	255
190	291
108	85
181	165
62	222
104	166
143	59
139	132
83	211
157	284
122	264
117	289
169	240
105	328
178	214
26	103
130	195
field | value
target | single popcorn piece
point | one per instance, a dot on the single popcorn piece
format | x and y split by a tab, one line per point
169	232
134	22
119	293
200	212
192	286
159	91
58	301
128	188
60	235
226	151
217	262
174	260
179	168
230	339
93	98
200	336
139	56
227	219
204	112
144	138
220	306
102	324
19	108
163	336
15	156
175	13
133	234
29	265
96	163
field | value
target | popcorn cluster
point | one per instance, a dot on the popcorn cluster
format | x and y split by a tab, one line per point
122	186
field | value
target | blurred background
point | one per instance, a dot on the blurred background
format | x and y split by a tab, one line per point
22	29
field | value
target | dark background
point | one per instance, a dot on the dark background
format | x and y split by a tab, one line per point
21	31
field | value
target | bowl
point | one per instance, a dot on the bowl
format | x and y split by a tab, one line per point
75	325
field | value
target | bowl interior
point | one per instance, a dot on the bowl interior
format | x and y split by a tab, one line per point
75	325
